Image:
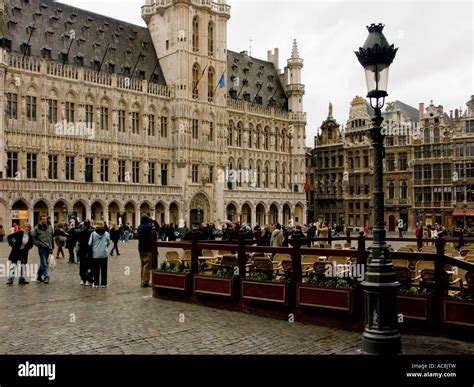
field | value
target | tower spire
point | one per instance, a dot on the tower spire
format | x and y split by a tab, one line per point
294	52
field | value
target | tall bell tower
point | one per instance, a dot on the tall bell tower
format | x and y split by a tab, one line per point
190	39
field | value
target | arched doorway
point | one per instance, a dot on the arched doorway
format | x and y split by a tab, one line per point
160	213
299	214
231	212
199	209
174	214
392	223
260	214
114	213
40	208
145	210
286	214
20	214
273	214
97	212
129	215
246	216
60	212
79	211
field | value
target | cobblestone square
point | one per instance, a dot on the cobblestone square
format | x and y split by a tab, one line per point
66	318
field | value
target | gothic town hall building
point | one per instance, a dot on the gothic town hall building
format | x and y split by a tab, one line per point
103	119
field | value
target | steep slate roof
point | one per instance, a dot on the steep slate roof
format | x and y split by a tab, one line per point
43	27
258	81
129	46
408	111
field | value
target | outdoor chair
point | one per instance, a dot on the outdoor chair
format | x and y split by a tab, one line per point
428	280
263	266
403	276
420	266
227	264
400	263
406	249
172	256
347	245
308	260
277	258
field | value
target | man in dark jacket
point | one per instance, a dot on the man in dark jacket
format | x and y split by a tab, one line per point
21	243
43	238
85	258
146	244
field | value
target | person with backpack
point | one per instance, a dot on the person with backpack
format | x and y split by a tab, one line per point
21	243
99	242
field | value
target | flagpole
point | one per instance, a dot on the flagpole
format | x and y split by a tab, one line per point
218	83
199	80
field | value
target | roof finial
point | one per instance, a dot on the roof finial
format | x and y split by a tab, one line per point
294	52
330	117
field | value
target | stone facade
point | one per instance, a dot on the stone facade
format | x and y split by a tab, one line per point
169	127
428	167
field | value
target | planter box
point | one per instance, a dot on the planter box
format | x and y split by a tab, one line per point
263	291
416	308
322	297
171	281
457	312
213	286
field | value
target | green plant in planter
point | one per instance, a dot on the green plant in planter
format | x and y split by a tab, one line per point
174	267
321	280
414	292
466	296
260	275
225	272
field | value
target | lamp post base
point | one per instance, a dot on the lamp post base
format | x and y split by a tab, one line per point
381	342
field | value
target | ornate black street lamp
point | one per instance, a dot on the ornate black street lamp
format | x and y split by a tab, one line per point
381	335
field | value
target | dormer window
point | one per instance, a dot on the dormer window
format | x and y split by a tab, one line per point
64	57
126	71
26	49
80	60
46	52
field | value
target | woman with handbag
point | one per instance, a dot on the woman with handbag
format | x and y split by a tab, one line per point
21	243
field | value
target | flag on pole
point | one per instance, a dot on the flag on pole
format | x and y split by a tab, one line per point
220	84
307	186
222	81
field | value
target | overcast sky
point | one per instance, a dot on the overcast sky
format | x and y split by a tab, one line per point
435	60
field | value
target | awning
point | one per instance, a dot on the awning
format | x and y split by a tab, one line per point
458	213
470	213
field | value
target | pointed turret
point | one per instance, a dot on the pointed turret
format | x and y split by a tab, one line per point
294	87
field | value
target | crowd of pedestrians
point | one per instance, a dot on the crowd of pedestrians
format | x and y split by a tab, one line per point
90	245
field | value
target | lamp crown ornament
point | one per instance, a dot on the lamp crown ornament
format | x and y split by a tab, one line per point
376	56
